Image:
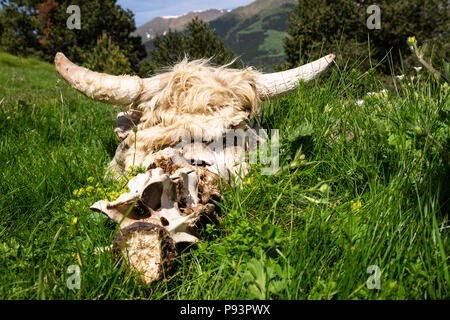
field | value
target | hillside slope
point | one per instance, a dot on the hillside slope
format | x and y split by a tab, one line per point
256	32
358	185
160	25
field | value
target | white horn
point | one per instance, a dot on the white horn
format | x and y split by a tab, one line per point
121	90
274	85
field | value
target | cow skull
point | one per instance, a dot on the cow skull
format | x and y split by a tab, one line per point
181	181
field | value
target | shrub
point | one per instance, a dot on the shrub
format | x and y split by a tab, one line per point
199	41
106	57
323	26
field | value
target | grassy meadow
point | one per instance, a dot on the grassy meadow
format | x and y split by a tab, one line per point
364	181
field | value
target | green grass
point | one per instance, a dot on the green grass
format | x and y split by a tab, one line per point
280	236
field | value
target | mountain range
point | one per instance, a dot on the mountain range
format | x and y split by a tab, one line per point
254	32
160	25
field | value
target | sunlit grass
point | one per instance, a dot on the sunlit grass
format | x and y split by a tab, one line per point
362	184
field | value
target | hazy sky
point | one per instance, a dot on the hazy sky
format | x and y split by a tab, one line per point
145	10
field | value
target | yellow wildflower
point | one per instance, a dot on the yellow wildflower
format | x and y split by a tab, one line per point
124	190
78	192
356	206
248	181
76	255
79	260
89	189
90	179
112	173
74	220
412	40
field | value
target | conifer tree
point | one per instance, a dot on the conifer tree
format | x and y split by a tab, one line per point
321	26
196	42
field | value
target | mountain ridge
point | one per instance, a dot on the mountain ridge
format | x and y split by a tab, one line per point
254	32
160	25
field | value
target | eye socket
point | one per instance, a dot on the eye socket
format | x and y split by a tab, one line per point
151	196
140	211
164	221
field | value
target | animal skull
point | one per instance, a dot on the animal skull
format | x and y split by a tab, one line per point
159	211
182	177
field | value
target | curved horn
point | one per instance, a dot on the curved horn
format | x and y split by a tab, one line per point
274	85
121	90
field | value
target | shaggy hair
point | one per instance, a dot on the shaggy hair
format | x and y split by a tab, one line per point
193	98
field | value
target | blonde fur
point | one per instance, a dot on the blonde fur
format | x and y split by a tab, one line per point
195	98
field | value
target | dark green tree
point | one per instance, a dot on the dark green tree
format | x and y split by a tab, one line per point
106	56
18	27
97	17
322	26
146	69
168	50
42	26
196	42
316	25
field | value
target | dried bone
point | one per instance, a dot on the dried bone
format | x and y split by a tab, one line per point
162	208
